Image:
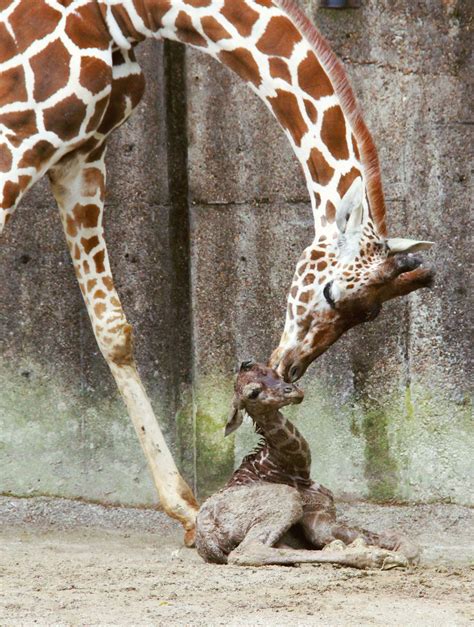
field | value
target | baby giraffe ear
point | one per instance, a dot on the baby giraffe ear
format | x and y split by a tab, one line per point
234	420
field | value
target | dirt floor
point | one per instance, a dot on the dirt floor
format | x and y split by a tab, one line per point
69	563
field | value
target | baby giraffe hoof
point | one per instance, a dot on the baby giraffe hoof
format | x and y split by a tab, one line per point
335	545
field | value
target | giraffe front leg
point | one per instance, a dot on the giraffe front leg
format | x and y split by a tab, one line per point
79	184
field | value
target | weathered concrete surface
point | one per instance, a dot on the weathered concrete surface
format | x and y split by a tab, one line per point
387	410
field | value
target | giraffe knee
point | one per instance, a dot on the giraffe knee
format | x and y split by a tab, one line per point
117	346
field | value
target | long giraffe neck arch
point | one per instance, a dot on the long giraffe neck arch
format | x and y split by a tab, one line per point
68	78
286	61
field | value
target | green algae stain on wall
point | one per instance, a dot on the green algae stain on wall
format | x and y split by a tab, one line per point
381	471
214	453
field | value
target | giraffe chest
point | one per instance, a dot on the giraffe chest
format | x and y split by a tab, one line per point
264	466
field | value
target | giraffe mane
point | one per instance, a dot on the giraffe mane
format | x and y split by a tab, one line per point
338	76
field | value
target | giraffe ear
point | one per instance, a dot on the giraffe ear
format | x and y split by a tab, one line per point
234	420
400	245
350	211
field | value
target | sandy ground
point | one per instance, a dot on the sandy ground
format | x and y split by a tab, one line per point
69	563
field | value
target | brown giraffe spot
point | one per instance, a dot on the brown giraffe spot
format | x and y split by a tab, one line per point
319	168
99	261
91	284
186	31
322	279
330	212
333	132
92	180
198	3
115	302
38	155
301	269
347	180
11	191
316	254
238	13
156	10
213	29
264	3
51	70
71	226
279	37
95	74
5	158
300	310
8	48
22	123
350	286
355	148
99	309
107	281
97	116
279	69
12	86
242	63
99	294
321	266
122	354
86	27
65	118
89	243
322	238
286	109
310	111
32	21
313	79
294	291
131	87
86	216
86	267
305	297
309	279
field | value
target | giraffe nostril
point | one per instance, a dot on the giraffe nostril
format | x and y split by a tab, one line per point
288	389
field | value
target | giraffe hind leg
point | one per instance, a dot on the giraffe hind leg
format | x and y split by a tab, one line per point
78	185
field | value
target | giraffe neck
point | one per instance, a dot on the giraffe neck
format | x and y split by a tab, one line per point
282	457
266	43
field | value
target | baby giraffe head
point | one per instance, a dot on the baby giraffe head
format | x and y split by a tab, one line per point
259	391
342	280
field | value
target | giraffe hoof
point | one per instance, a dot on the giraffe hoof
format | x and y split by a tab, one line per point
359	543
190	537
335	545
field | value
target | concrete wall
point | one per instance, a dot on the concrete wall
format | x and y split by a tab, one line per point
206	216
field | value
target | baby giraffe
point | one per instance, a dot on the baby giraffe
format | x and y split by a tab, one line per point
270	511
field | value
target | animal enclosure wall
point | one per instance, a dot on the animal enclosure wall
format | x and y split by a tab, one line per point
207	213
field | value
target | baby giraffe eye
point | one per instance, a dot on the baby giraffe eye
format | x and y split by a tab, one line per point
327	295
254	393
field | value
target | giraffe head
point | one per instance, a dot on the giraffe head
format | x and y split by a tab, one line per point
260	391
342	280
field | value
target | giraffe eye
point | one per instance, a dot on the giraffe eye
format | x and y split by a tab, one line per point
327	295
254	393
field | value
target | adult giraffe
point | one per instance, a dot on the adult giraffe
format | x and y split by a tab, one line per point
68	77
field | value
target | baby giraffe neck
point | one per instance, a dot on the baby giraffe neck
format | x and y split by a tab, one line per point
283	456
